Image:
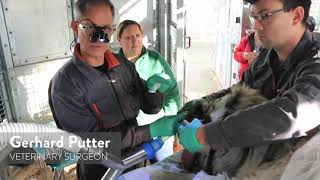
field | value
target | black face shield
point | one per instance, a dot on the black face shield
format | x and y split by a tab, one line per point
99	34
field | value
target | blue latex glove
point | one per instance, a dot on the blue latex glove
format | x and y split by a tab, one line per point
160	82
165	126
152	147
187	135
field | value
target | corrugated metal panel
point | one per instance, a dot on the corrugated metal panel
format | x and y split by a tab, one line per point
3	115
5	111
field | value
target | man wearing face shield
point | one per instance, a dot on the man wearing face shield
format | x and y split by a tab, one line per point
98	91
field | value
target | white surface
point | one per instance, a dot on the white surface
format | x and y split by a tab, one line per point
168	169
305	164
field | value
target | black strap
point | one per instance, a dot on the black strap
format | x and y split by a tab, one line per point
251	41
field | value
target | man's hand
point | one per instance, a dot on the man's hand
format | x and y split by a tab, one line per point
160	82
188	136
165	126
250	56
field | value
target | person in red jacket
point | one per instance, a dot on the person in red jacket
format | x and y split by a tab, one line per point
246	52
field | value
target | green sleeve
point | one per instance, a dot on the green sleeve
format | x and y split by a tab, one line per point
151	63
172	98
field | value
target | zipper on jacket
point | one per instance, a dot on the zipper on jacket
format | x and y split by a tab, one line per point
98	113
274	86
117	97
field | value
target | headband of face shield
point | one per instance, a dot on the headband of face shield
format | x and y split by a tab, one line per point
251	1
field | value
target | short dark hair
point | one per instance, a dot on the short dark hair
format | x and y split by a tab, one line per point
291	4
80	7
124	24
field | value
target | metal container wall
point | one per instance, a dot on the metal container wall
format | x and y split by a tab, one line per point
38	30
228	30
35	41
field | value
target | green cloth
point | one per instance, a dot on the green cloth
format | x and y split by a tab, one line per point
150	63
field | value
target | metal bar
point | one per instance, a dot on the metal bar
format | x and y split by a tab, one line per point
111	174
134	158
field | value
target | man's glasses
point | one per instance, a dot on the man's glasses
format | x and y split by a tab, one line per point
89	27
263	17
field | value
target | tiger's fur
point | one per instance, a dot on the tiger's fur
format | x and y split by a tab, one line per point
237	161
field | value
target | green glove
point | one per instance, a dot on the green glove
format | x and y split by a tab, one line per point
187	136
160	82
166	126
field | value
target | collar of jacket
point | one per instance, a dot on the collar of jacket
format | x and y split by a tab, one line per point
88	70
303	48
122	54
109	58
143	53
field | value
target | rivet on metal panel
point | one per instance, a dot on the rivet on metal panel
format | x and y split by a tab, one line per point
69	6
25	61
6	9
10	32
